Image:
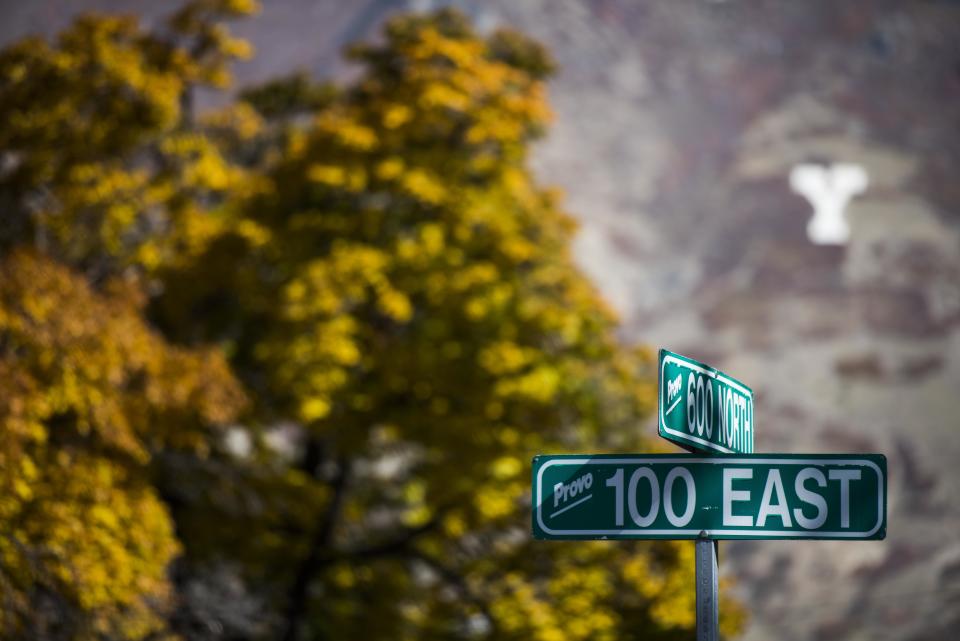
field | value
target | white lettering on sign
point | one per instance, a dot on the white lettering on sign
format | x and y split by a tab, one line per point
773	489
565	491
616	482
811	498
735	418
683	473
673	387
730	496
844	476
774	484
649	517
647	474
699	405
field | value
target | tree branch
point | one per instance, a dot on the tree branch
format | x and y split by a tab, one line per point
395	547
297	597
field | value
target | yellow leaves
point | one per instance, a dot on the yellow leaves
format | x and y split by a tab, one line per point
21	490
202	165
112	42
241	7
506	357
425	246
668	589
485	304
338	126
116	192
344	352
297	143
352	179
539	385
15	73
354	136
314	408
440	96
237	48
213	47
255	234
210	172
519	249
477	275
418	511
104	183
327	174
390	168
578	589
319	304
100	344
432	44
423	185
106	538
476	308
454	525
84	367
496	501
343	576
454	82
520	610
393	279
349	275
506	467
195	14
579	598
240	120
95	121
110	46
414	492
431	239
396	116
395	305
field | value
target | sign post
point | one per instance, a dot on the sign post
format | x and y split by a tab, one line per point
708	591
704	410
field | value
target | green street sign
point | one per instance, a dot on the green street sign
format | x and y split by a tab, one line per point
703	409
686	496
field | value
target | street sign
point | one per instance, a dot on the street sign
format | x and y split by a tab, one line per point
703	409
686	496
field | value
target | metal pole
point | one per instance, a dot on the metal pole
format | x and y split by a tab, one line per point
708	610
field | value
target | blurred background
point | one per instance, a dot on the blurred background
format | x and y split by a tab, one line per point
678	127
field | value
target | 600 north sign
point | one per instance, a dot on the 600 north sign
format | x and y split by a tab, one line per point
759	496
702	408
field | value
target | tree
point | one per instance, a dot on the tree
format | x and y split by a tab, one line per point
397	298
99	176
89	394
102	168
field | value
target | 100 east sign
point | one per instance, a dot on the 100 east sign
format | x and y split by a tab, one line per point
668	496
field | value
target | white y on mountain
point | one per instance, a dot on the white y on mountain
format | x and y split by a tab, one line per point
828	189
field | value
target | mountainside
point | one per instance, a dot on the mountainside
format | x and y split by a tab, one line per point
678	124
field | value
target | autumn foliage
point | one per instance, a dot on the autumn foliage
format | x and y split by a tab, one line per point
278	370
